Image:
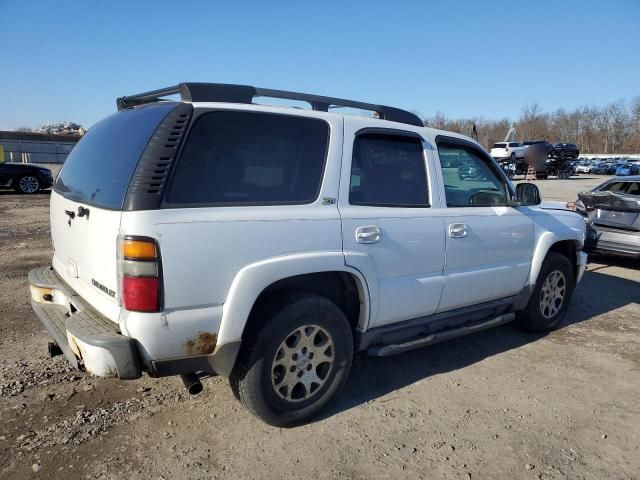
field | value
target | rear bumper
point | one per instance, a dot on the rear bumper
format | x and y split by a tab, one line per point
88	340
612	241
94	343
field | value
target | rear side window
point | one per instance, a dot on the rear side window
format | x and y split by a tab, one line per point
388	171
99	168
247	158
630	188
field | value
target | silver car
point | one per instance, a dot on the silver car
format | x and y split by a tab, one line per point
613	213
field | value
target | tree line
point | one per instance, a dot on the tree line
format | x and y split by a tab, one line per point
614	128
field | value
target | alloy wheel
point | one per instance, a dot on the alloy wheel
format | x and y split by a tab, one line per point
302	363
29	184
552	294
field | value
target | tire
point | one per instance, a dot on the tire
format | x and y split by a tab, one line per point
265	378
28	184
547	306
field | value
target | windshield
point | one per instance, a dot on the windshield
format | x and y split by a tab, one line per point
99	168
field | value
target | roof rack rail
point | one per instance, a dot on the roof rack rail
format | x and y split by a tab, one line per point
221	92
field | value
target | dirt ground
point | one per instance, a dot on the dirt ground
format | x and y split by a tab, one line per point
500	404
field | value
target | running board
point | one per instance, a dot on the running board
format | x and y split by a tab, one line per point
386	350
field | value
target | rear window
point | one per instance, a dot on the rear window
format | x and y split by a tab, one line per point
629	188
499	145
99	168
248	158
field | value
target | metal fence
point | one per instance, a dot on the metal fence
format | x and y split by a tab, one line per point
36	151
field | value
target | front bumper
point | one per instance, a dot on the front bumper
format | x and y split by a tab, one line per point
581	260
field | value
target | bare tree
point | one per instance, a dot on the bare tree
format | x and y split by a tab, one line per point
614	128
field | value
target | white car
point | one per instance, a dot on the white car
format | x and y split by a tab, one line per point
508	151
583	167
269	244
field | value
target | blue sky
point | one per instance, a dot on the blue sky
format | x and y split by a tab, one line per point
70	60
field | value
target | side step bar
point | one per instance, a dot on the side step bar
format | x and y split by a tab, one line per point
386	350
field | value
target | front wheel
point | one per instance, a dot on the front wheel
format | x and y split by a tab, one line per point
297	362
551	296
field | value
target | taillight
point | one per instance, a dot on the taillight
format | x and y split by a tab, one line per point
141	270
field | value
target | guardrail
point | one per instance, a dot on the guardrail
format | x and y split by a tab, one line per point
34	151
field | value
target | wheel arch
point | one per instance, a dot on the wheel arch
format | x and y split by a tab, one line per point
550	242
321	274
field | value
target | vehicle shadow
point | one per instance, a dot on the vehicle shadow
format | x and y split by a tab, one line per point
39	193
374	377
605	261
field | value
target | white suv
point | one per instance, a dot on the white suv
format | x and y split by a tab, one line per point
508	151
269	244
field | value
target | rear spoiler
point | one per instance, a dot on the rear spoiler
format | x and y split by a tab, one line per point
610	201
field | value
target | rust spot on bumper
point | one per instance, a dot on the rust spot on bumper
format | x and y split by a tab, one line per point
203	344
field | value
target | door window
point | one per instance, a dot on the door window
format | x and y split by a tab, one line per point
388	171
472	183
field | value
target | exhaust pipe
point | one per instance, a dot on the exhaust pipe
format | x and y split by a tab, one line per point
191	383
54	349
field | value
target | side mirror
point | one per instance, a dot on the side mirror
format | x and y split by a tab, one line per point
528	194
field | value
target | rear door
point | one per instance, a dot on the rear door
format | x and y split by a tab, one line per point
489	245
392	226
87	203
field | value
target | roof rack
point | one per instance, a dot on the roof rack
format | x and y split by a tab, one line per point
221	92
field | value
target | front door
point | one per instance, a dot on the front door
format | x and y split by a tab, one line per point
489	245
392	230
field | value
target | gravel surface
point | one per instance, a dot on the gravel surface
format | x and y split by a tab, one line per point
500	404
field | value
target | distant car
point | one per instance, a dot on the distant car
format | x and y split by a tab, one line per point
566	150
563	170
507	150
600	168
25	178
613	213
583	167
626	169
613	168
543	144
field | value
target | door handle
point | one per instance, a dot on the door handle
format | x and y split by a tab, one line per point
458	230
368	234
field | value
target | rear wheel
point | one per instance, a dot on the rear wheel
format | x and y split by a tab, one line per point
28	184
297	362
551	297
